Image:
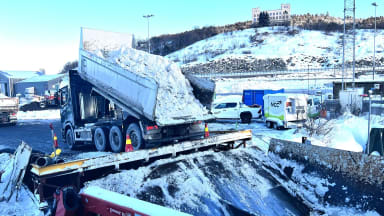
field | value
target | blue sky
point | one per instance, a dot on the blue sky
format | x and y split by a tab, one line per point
45	33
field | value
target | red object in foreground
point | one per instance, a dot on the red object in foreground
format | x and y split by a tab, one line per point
98	206
97	201
206	131
55	141
128	144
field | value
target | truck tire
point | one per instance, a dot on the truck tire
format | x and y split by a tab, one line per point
246	117
134	133
116	139
275	126
269	124
100	140
70	139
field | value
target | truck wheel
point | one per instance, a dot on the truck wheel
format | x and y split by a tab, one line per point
116	139
99	140
269	124
135	135
275	126
245	117
69	139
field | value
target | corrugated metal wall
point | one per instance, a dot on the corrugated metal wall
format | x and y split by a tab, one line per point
40	87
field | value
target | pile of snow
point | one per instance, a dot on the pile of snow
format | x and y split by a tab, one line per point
298	49
348	132
204	184
38	115
174	97
22	204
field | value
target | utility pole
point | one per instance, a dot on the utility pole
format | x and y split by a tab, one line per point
374	44
149	41
354	42
369	120
343	72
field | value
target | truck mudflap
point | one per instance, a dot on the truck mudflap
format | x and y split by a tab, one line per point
352	178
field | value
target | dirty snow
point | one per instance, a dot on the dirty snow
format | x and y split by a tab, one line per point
174	97
38	115
25	203
203	183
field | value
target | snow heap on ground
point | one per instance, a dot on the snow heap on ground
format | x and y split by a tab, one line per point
174	97
204	184
22	204
38	115
348	132
209	183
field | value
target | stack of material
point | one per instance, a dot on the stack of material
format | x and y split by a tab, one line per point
175	99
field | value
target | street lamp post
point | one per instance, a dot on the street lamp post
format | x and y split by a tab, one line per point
374	44
369	119
149	42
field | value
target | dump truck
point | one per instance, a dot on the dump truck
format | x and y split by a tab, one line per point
8	110
105	102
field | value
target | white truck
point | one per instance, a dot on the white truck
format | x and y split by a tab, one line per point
284	110
230	108
8	110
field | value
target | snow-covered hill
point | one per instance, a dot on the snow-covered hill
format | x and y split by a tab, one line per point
296	48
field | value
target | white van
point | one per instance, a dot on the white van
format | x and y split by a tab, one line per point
284	110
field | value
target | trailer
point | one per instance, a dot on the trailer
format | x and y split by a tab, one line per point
105	102
255	96
46	179
283	110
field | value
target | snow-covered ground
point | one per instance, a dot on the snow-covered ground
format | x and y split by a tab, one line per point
296	50
20	203
38	115
204	183
209	183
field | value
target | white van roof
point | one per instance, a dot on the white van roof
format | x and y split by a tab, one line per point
288	95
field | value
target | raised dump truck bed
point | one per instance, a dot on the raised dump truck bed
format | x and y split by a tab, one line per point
131	90
118	91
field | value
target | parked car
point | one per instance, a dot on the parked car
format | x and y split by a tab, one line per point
235	109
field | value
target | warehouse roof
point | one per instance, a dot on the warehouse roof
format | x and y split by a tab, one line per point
20	74
42	78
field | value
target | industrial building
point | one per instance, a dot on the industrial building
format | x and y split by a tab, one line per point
9	78
39	83
275	16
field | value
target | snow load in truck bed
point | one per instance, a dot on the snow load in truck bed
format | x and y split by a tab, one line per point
175	99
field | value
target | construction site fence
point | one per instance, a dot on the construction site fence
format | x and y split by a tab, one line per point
335	71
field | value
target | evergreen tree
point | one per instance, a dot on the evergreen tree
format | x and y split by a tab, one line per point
264	19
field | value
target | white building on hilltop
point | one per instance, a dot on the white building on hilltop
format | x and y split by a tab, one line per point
275	16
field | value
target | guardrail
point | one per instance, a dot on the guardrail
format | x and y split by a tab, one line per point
335	71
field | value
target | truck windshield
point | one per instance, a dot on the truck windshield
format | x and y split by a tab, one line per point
63	96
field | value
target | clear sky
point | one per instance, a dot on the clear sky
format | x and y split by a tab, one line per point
45	33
